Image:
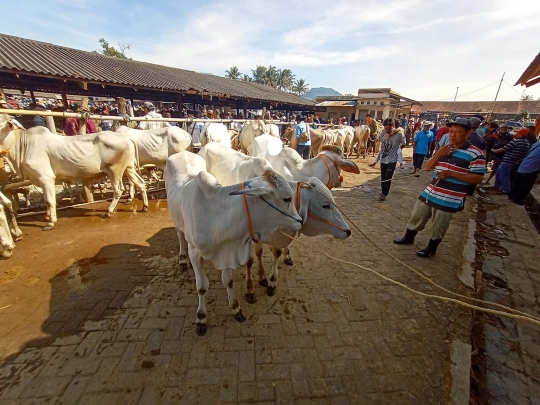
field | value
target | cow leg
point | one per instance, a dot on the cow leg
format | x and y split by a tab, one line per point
136	178
202	284
13	227
116	184
260	268
131	188
227	279
49	195
250	294
271	289
183	261
286	257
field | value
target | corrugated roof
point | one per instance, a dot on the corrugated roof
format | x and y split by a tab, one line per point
342	103
27	56
531	76
501	107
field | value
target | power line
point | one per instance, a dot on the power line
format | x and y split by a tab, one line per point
466	94
512	87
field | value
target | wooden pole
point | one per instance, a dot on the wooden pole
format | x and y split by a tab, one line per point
122	109
82	121
33	96
64	95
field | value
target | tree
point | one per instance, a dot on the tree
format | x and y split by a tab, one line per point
246	78
527	97
271	76
300	87
285	79
233	73
259	74
108	50
522	116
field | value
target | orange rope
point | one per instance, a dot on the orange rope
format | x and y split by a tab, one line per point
328	167
249	218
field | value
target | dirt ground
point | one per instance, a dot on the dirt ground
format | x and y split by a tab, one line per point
96	311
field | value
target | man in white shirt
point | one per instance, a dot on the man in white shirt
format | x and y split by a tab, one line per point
149	111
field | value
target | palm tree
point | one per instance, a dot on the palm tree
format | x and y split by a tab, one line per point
527	97
271	76
259	74
300	87
285	79
233	73
246	78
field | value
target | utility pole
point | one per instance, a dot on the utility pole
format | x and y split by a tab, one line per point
457	88
497	95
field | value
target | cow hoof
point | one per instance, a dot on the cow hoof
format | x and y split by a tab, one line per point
288	261
250	298
107	215
48	228
263	282
271	291
239	316
47	218
144	208
128	202
201	329
183	266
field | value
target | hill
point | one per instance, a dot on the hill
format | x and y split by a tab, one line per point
315	92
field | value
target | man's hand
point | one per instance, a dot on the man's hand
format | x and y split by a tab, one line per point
445	150
444	174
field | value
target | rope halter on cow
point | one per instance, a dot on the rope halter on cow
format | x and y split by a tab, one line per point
297	204
4	152
250	223
322	156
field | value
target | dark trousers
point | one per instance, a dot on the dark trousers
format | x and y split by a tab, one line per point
303	150
387	171
418	160
522	186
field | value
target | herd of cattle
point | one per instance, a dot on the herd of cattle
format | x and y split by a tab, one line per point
264	194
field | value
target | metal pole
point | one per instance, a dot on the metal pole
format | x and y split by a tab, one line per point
457	88
497	95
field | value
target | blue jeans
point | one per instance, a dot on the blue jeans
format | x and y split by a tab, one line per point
303	150
502	177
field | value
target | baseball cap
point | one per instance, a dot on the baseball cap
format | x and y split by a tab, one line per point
149	105
463	122
475	121
388	121
505	125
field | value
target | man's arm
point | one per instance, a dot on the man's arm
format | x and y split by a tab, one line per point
443	151
470	178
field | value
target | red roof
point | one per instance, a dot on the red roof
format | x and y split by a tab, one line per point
501	107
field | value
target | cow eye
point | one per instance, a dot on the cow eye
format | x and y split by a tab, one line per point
326	206
287	199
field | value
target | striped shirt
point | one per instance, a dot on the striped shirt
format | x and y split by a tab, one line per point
515	151
449	194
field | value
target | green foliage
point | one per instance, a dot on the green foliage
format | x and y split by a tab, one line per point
108	50
527	97
282	79
522	116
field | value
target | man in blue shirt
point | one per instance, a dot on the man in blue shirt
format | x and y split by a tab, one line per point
303	148
422	140
526	175
403	120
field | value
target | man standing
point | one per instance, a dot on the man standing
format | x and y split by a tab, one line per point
526	175
531	137
391	142
514	153
149	112
372	140
505	137
303	145
457	165
403	121
422	140
476	137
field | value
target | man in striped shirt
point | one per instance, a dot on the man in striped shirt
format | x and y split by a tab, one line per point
457	165
514	153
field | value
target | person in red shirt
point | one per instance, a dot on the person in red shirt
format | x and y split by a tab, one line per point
443	130
71	127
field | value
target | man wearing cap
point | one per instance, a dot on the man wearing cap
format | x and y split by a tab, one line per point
149	112
514	153
476	137
422	140
457	165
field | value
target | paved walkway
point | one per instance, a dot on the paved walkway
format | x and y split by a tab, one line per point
509	252
97	312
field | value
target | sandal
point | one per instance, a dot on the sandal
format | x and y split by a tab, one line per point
382	197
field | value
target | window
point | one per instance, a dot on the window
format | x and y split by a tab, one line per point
368	102
382	102
361	102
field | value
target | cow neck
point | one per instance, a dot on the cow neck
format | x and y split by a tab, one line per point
250	223
323	156
324	221
15	151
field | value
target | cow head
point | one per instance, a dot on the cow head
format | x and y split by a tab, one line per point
274	209
5	125
338	163
320	214
6	240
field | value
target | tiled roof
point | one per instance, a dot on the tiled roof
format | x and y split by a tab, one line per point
22	55
340	103
501	107
531	76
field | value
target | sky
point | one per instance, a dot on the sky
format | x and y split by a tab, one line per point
423	49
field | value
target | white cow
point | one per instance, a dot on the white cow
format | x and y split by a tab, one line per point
45	158
321	137
9	231
230	166
361	137
154	146
216	132
346	133
219	223
253	129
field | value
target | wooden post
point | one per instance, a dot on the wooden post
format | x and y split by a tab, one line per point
50	123
122	109
64	95
33	96
180	104
82	121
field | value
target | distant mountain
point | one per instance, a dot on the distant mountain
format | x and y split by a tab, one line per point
315	92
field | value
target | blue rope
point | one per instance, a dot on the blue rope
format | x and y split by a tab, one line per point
274	207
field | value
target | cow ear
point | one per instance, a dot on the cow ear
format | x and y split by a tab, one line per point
349	166
255	192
